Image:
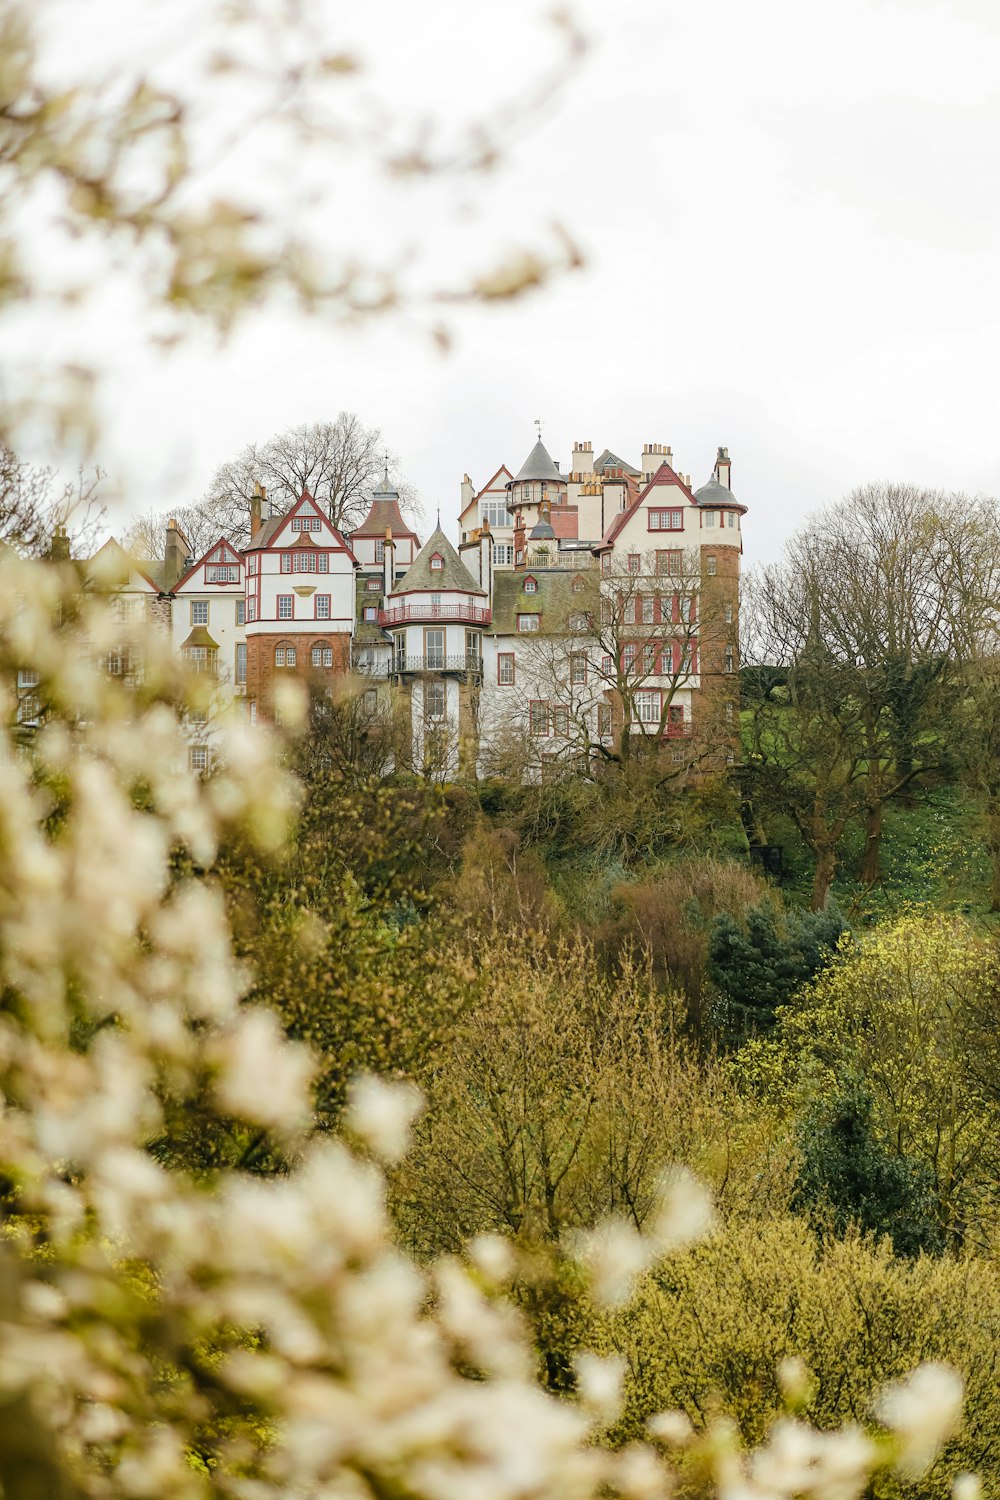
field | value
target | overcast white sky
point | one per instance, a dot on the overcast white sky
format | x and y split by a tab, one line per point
789	213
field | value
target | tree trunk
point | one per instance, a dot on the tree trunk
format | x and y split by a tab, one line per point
826	868
871	864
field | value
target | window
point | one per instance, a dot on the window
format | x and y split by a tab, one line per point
708	517
527	622
434	700
730	659
687	657
198	758
531	586
251	609
603	719
579	621
306	523
503	554
578	585
204	659
578	667
729	713
373	585
505	669
241	611
647	609
495	512
606	563
538	718
520	555
675	716
633	562
322	606
710	564
628	657
670	562
114	665
279	656
371	612
607	666
473	649
666	520
322	656
199	611
225	573
380	551
560	719
648	658
252	565
730	518
286	606
241	663
253	713
369	701
434	649
286	562
437	561
647	706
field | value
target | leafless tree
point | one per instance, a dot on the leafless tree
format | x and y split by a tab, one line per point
34	503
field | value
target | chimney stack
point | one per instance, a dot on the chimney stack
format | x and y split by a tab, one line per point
388	566
256	509
175	551
723	468
59	549
583	458
653	455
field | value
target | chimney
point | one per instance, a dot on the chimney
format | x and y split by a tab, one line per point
175	551
723	467
468	491
653	455
486	562
583	458
388	566
59	549
256	507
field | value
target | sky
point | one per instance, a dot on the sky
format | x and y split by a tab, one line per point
788	215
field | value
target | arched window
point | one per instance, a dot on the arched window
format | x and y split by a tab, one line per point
284	656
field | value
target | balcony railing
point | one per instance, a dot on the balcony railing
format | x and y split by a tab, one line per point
414	614
433	661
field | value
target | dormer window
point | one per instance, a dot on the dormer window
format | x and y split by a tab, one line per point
531	586
437	561
578	585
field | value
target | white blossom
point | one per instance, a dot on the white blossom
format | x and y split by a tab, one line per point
381	1115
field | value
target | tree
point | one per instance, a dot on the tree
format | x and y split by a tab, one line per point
340	463
758	962
850	1171
34	505
901	1011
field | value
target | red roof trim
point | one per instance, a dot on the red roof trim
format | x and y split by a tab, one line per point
664	476
219	541
274	546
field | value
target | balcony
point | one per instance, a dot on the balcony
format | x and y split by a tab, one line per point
469	663
417	614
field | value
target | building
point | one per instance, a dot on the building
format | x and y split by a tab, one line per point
585	615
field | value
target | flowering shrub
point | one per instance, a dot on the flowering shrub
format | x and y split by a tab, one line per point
163	1334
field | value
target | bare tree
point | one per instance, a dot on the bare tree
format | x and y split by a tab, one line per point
34	504
341	463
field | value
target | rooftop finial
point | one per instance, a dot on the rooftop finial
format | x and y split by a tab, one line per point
538	428
439	518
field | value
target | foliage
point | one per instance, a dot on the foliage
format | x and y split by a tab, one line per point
904	1011
758	963
851	1171
738	1322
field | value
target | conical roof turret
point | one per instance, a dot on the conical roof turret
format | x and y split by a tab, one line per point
539	465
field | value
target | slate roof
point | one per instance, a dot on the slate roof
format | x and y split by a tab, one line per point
713	493
539	465
609	460
453	575
554	600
